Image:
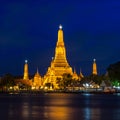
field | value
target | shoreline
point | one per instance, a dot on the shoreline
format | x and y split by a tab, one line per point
49	92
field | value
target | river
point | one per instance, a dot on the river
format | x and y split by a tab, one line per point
60	106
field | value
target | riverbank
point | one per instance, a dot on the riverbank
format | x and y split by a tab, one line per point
67	92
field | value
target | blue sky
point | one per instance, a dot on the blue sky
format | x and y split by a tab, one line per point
28	30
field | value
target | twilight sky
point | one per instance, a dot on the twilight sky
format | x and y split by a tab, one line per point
28	30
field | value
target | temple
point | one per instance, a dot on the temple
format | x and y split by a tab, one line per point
37	81
59	64
58	67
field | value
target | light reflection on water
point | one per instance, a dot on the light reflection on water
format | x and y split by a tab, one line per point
60	107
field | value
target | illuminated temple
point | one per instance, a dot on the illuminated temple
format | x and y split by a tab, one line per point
59	66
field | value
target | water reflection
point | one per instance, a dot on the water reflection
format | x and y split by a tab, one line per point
58	113
60	107
92	114
25	109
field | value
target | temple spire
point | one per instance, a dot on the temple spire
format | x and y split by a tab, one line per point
60	51
81	75
94	72
74	71
26	77
37	71
59	65
60	36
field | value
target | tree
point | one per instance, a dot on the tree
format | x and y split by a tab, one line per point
65	81
7	80
114	71
97	79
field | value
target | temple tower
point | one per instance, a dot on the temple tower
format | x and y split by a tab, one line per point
26	76
75	76
59	64
94	71
37	80
60	61
81	75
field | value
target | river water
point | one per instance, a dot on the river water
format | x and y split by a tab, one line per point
60	106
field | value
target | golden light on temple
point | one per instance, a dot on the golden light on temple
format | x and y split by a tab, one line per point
37	81
94	72
26	76
59	64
